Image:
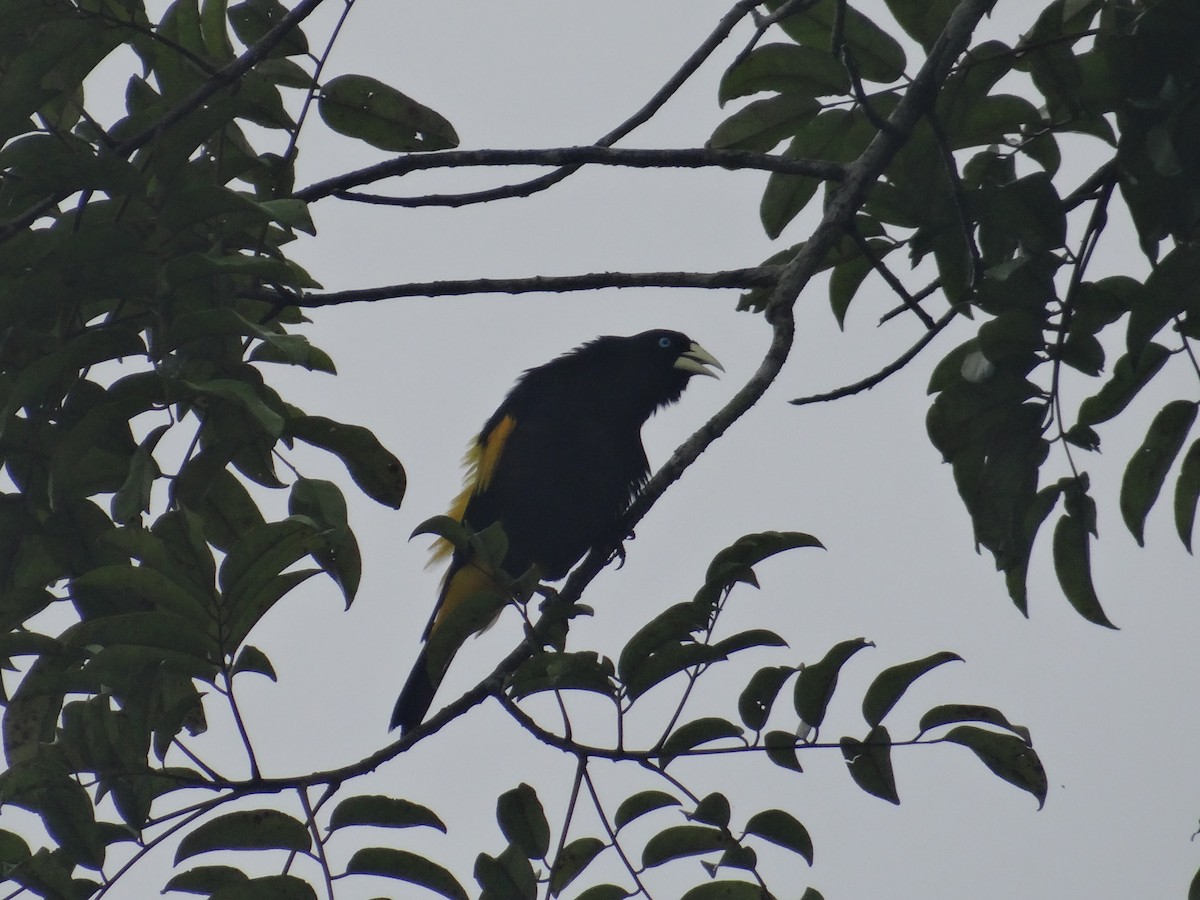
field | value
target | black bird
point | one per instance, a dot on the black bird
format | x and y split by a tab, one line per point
556	465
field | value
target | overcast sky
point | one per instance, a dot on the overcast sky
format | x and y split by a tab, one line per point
1112	712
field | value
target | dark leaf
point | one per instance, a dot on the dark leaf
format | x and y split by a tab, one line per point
679	841
405	866
362	107
757	698
639	804
713	809
571	860
375	470
786	69
870	763
958	712
1148	467
782	828
890	684
256	829
1072	564
816	683
1127	379
725	890
387	812
1007	756
523	821
781	750
1187	492
692	734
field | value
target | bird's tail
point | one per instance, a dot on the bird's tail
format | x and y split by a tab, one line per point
417	695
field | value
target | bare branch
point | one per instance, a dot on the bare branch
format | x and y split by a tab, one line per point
887	371
574	157
763	276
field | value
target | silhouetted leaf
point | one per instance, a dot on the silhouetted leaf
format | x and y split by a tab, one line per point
1148	467
816	683
683	840
870	763
1007	756
251	829
637	805
757	698
405	866
1187	492
782	828
890	684
362	107
523	821
571	860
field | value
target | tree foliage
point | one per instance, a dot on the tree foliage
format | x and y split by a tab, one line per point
147	292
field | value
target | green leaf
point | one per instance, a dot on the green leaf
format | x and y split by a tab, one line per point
713	809
889	686
365	108
961	712
637	805
877	55
254	18
251	659
816	683
245	397
523	821
761	125
605	892
1187	493
251	829
1007	756
509	876
375	470
922	20
736	562
781	750
757	698
133	497
109	590
666	662
1167	293
671	627
571	860
692	734
1148	467
784	829
680	841
1072	565
337	553
251	570
206	880
386	812
1127	379
786	69
582	671
870	763
404	866
744	640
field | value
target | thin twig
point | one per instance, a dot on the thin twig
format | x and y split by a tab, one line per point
574	157
762	276
887	371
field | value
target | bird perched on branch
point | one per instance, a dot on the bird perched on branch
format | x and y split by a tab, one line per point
555	467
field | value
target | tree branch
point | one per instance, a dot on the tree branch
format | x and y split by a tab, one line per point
573	157
887	371
762	276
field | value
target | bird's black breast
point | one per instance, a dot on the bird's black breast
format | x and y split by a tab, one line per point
562	481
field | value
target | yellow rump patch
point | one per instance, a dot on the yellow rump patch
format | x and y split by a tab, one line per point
480	463
461	584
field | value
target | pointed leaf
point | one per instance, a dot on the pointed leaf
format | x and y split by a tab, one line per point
725	890
637	805
1007	756
816	683
683	840
251	659
1127	379
523	821
571	860
781	750
713	809
1187	492
376	471
1072	564
386	812
959	712
365	108
257	829
1148	467
695	733
782	828
889	686
757	698
870	763
405	866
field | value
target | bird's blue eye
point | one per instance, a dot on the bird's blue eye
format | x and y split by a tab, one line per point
664	342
